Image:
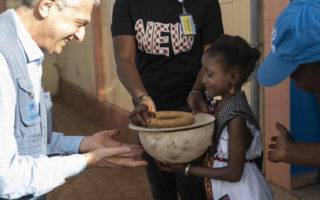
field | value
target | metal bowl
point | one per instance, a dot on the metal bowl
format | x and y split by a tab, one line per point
178	144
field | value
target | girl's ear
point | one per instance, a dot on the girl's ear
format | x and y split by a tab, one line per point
235	77
44	6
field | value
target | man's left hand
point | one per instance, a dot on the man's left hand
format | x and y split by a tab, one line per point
103	139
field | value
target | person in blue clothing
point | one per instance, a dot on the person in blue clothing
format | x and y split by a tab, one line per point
295	52
27	171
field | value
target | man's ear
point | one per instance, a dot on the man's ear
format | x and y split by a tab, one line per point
44	6
235	77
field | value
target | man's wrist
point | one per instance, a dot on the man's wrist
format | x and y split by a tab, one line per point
140	98
288	151
89	158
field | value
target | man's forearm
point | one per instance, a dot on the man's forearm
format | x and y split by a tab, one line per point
307	154
130	78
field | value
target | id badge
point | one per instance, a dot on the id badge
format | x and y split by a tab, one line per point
187	24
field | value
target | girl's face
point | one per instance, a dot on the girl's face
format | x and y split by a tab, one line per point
216	79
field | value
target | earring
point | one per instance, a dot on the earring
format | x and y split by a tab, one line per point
232	91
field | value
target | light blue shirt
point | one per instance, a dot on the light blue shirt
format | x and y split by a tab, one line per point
25	175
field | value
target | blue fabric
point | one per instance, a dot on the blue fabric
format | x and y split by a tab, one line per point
295	40
304	122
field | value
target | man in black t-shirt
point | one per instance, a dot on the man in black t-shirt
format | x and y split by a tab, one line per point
161	69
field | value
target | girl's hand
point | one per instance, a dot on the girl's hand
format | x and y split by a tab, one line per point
169	167
197	103
283	142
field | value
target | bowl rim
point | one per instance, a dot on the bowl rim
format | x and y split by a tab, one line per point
206	119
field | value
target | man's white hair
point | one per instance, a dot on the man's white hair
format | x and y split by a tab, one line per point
62	3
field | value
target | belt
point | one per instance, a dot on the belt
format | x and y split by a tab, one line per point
226	160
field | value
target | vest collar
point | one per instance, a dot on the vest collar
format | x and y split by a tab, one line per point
31	49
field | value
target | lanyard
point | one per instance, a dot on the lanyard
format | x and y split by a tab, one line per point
184	11
186	20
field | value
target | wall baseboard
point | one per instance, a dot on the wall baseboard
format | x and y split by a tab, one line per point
107	115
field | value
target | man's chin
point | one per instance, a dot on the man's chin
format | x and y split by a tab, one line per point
57	51
52	51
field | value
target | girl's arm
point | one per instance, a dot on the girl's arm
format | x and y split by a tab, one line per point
239	141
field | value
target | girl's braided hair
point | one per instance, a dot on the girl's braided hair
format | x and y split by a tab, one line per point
235	53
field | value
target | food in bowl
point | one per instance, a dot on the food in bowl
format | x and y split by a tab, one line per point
167	119
177	144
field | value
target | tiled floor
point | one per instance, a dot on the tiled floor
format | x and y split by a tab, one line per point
311	192
95	184
121	184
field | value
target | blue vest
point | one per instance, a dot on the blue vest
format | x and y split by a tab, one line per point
31	127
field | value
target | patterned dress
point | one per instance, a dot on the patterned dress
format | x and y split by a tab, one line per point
252	185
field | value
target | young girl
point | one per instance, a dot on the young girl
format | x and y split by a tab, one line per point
230	169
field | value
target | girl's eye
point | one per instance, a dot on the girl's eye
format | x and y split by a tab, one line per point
209	75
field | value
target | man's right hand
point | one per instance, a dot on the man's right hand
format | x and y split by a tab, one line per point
113	157
143	111
282	143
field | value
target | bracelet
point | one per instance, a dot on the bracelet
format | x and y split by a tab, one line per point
139	99
186	171
194	91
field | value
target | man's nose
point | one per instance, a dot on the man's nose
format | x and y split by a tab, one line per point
79	36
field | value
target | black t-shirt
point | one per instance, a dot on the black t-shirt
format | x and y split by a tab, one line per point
168	62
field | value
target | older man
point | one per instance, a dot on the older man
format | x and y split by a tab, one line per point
26	172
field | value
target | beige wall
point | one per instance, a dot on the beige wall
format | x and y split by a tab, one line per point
114	90
76	63
236	21
236	17
12	3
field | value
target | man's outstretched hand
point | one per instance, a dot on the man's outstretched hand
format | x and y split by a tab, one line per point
101	150
282	143
113	157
